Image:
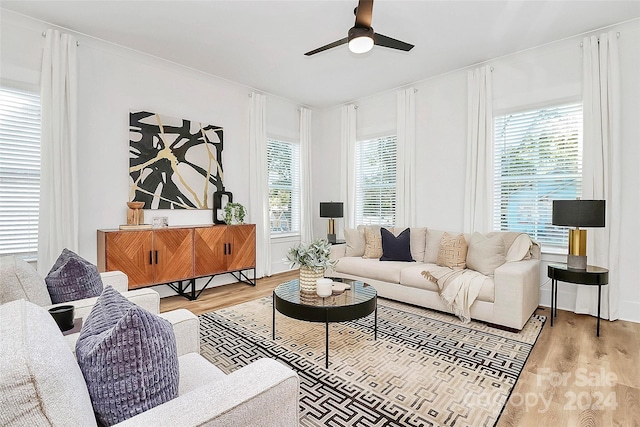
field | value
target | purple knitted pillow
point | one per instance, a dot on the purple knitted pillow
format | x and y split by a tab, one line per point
72	278
128	357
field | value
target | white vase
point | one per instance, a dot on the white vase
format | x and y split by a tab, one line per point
308	278
324	287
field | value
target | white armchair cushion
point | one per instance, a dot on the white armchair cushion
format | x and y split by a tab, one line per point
41	383
19	280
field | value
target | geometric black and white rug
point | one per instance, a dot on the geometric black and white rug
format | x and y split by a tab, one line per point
425	369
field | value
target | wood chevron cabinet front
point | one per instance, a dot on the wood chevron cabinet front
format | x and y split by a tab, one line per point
165	255
224	248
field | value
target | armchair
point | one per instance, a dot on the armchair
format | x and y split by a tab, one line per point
41	382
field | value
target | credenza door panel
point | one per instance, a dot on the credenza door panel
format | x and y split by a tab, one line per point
210	252
173	254
130	252
242	253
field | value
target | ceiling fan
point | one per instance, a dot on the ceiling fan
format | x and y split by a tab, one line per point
361	36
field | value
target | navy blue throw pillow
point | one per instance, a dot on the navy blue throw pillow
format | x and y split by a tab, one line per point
396	248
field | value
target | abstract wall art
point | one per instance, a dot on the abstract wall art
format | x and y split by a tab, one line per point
173	163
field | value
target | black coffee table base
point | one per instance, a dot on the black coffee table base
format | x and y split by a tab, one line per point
327	311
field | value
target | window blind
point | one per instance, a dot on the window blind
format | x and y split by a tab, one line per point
376	181
538	158
19	172
283	160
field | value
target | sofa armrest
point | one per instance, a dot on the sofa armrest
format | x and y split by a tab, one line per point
186	327
145	298
338	251
117	279
517	292
264	393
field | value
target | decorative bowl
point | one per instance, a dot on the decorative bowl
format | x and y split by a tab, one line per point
135	205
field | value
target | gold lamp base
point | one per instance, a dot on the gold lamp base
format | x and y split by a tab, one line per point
331	236
577	258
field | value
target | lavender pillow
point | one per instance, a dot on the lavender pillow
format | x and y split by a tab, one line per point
72	278
128	357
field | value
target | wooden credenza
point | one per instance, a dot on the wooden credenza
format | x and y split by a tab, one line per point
174	255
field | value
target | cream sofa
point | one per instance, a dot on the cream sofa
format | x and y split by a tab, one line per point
508	298
41	382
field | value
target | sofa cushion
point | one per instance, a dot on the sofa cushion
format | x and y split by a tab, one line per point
396	248
371	268
19	280
452	252
520	248
418	241
485	254
373	242
72	278
354	238
432	245
128	358
41	383
412	276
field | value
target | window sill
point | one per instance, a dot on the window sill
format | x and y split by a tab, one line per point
285	236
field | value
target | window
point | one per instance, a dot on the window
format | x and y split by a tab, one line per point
538	158
376	181
19	172
283	160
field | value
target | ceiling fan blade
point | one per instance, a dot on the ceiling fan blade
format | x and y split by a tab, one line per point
385	41
363	13
328	46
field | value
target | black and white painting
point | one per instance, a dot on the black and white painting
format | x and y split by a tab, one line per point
173	163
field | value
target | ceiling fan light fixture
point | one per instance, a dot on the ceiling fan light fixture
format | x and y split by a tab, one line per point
360	39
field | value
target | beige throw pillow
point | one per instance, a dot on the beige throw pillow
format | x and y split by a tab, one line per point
452	252
485	254
373	242
355	241
519	249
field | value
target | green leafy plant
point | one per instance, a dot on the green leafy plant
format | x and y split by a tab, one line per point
234	211
315	255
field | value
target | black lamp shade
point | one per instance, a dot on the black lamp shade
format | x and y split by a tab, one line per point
331	210
578	213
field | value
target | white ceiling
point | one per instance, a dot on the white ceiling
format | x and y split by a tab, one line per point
261	43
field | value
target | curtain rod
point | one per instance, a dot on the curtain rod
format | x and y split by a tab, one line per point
44	34
617	36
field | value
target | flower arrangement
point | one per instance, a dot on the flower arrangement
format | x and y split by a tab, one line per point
234	211
315	255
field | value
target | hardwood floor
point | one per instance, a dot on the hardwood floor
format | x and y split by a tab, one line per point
572	377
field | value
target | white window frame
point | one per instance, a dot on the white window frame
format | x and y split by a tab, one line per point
20	134
385	190
283	224
553	178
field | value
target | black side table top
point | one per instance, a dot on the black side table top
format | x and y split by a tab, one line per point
591	276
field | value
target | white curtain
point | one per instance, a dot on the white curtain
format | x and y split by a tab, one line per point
601	179
406	159
58	215
348	165
478	192
306	208
259	183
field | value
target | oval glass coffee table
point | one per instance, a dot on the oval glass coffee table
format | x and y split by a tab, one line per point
359	301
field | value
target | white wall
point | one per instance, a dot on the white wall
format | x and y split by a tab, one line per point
544	75
114	80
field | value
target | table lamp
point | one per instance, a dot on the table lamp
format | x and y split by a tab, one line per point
331	210
578	213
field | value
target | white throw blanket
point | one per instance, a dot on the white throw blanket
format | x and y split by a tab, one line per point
458	288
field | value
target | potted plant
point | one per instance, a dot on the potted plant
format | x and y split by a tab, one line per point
234	211
313	260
